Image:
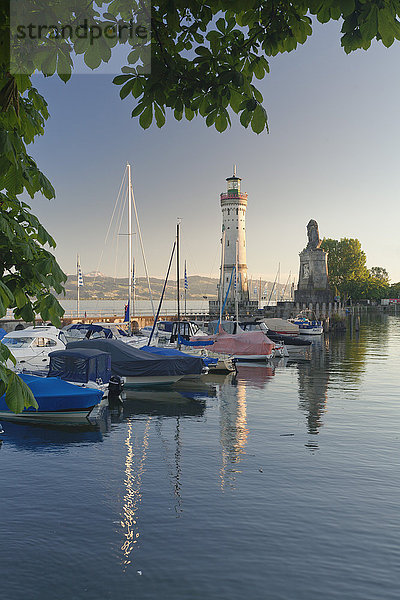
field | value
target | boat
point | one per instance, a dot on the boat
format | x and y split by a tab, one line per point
293	343
160	351
79	331
174	332
58	400
276	325
242	345
308	327
86	367
166	331
139	368
31	346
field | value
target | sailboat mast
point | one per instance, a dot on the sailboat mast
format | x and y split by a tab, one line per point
185	283
77	285
236	285
221	283
177	280
130	263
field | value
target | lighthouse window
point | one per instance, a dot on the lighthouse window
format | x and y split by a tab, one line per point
237	211
227	243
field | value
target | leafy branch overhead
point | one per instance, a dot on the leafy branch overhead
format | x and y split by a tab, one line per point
202	57
206	57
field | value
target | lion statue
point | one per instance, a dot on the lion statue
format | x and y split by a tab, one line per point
314	241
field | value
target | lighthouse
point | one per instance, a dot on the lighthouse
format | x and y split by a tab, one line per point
233	206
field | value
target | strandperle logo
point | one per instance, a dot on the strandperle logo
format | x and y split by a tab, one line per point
121	30
72	36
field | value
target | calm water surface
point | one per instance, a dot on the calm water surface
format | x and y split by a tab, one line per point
281	483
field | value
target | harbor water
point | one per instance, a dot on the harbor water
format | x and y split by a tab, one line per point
281	482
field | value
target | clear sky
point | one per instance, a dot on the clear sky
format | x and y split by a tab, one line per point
332	155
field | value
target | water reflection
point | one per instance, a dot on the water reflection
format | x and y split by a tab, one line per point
256	374
134	468
157	406
233	428
35	437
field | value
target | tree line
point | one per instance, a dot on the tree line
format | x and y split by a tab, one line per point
349	276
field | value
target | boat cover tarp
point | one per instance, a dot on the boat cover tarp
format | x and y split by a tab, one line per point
54	395
281	326
207	360
80	365
131	362
3	332
92	328
243	343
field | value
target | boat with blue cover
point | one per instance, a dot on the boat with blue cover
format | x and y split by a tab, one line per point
58	400
86	367
159	351
139	368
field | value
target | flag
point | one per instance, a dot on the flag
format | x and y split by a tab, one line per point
186	279
126	316
79	273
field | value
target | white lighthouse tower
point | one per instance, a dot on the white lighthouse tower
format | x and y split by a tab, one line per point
234	205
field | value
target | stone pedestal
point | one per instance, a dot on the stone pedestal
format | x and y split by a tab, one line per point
313	283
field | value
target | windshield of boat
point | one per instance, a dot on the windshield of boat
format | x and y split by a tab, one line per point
18	342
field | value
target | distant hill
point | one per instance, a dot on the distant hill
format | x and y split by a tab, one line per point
101	287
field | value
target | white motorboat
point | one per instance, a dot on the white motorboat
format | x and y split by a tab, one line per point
307	327
31	346
114	331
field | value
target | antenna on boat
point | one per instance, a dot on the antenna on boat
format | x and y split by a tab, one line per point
234	170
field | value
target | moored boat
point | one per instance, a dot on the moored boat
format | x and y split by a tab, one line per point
308	327
242	345
293	343
139	368
31	346
58	401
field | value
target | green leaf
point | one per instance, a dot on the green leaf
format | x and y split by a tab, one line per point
259	120
126	88
221	123
92	57
245	117
146	117
18	395
159	115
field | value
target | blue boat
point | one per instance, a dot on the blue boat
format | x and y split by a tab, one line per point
58	400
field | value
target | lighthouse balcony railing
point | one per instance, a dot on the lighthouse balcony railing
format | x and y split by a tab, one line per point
234	196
